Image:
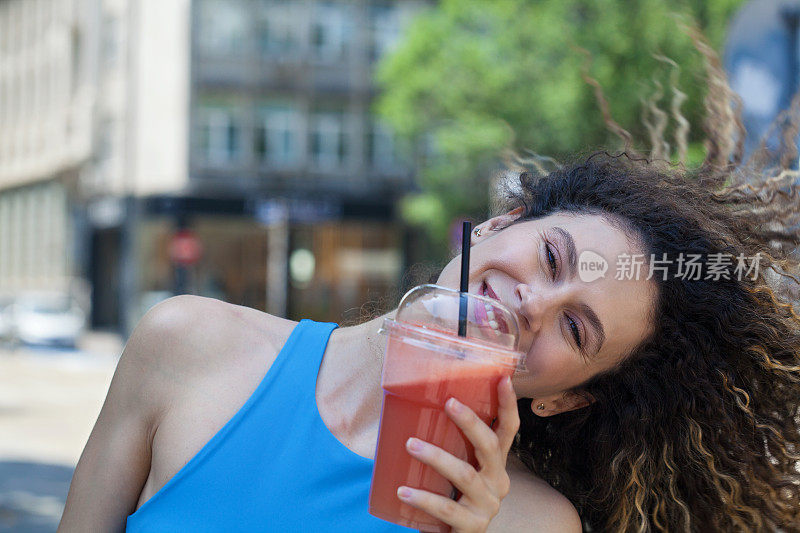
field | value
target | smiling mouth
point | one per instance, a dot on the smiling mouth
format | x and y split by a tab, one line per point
488	315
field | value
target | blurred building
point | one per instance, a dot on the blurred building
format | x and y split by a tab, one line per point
281	115
78	104
224	148
46	136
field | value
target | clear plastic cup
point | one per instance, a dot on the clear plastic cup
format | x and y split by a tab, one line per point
426	364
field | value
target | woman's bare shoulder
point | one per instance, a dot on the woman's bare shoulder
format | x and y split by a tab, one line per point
197	325
533	506
188	336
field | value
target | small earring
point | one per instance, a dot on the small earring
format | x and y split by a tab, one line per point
540	407
477	232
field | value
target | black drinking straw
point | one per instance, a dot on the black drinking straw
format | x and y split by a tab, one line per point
466	231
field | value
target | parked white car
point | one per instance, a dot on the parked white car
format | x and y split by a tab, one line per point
48	319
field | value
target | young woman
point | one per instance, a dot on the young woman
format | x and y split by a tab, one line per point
662	401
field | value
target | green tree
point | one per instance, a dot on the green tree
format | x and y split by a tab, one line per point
473	78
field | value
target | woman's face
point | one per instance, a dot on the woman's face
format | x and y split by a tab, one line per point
571	327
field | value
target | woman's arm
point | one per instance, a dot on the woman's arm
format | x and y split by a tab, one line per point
115	463
533	506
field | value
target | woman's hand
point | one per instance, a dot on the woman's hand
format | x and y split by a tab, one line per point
483	489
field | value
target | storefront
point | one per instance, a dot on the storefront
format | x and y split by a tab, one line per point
297	258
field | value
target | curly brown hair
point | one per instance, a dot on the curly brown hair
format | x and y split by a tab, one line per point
698	428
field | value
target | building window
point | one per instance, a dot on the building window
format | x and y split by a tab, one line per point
385	30
328	140
331	29
112	38
219	136
277	136
278	28
76	59
429	149
381	147
223	27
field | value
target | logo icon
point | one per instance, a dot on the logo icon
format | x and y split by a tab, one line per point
591	266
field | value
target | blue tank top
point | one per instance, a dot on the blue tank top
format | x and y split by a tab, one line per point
274	466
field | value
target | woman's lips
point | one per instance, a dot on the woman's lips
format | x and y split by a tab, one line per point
489	292
502	326
481	317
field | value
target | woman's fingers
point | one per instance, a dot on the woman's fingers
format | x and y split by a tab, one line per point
460	473
485	441
508	414
482	489
448	511
491	446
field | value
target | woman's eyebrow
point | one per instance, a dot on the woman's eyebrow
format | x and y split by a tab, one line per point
572	265
572	255
594	321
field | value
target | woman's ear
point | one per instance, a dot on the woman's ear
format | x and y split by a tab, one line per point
496	223
501	221
569	401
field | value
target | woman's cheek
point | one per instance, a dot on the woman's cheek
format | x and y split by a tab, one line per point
548	365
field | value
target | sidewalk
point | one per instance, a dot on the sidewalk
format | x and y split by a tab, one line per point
49	401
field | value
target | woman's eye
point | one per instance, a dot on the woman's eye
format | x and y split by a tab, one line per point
575	332
551	259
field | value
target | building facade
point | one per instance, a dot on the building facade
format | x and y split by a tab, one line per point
81	93
46	96
244	124
281	97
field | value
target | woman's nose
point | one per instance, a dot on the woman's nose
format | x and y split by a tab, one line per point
529	306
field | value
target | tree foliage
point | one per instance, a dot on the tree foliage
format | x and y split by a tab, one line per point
472	78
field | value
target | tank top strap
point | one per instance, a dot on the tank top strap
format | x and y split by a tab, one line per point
300	359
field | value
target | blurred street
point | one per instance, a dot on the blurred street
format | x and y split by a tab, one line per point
49	400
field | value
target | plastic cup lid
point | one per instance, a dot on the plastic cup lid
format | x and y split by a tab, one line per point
429	314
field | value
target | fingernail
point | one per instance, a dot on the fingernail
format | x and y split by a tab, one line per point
403	493
508	382
454	405
414	444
